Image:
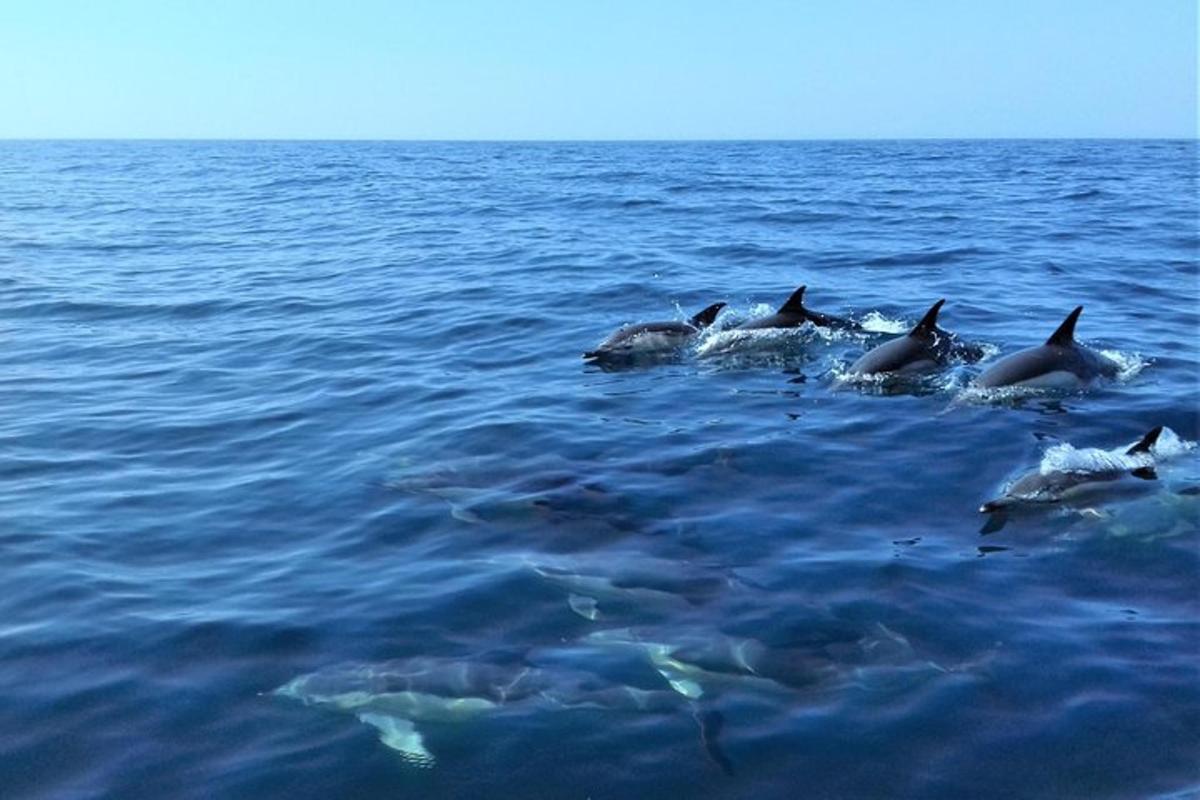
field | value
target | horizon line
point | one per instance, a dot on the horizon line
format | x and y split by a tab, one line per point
584	140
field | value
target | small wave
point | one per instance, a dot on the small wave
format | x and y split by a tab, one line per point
1083	194
925	257
795	217
742	252
639	202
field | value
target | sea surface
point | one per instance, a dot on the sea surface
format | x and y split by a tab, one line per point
280	408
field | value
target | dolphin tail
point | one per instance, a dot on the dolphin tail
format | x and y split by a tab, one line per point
928	323
402	736
707	316
1146	443
795	303
711	723
1065	335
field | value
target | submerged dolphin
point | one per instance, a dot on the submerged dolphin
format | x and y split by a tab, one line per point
650	585
924	348
396	697
793	314
702	663
654	335
1060	363
1057	485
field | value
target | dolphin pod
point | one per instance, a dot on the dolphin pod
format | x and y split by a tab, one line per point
1061	363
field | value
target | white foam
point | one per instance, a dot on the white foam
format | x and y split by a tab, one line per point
1128	364
878	323
1065	457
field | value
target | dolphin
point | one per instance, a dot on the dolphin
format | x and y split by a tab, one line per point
399	698
1057	485
1060	363
793	314
649	586
926	347
702	663
654	335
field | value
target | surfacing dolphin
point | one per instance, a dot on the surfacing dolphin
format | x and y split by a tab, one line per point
1102	469
926	347
1060	363
793	314
395	698
653	336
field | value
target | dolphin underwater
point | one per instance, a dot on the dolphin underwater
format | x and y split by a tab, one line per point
1057	485
651	336
1060	363
395	698
793	314
926	347
650	585
698	664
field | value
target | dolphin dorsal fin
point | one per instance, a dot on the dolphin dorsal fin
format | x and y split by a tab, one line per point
1065	335
928	323
707	316
795	303
1146	443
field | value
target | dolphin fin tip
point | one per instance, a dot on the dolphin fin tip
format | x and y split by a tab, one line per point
1064	336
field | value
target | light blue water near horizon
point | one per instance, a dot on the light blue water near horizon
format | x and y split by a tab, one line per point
272	407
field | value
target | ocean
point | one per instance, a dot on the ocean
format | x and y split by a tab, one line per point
288	409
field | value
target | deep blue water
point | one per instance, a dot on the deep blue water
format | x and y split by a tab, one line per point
269	408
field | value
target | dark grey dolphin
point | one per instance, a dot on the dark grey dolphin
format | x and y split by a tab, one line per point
924	348
1060	363
1058	485
793	314
661	335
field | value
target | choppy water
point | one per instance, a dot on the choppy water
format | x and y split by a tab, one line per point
270	408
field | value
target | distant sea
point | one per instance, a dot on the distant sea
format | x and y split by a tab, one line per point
273	409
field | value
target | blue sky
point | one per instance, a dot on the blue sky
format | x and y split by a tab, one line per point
579	69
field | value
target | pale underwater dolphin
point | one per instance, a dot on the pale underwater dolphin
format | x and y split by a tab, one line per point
1057	485
698	664
1060	363
651	585
793	314
654	335
396	697
926	347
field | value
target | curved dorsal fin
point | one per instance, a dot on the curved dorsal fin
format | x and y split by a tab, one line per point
1065	335
795	303
928	323
707	316
1146	443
